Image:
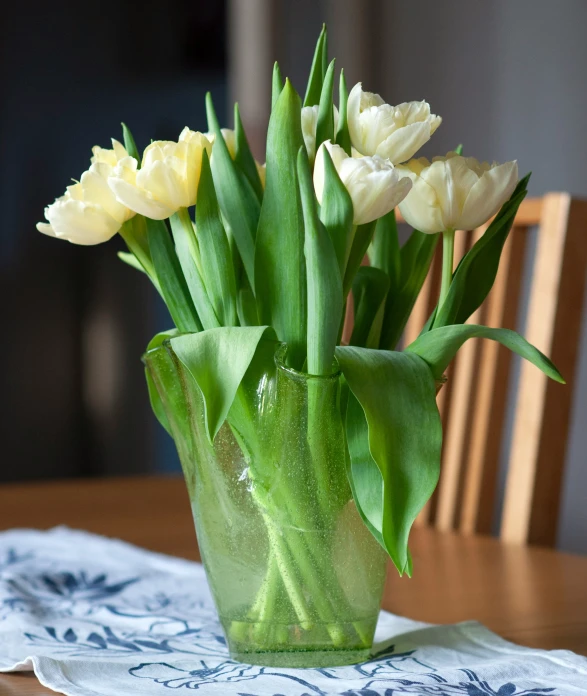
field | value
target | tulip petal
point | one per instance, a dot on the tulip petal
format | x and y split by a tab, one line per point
45	228
81	223
420	208
353	116
487	196
139	200
96	190
404	142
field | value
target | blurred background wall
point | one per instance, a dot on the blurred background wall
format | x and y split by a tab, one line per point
507	77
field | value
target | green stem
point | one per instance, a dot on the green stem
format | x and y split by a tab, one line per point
448	248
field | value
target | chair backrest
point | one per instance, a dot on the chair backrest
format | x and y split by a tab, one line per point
474	402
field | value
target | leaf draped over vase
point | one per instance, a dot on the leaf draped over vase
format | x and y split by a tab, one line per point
307	460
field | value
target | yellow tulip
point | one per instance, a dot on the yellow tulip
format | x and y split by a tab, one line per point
168	178
89	213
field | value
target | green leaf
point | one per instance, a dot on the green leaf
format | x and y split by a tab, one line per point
276	84
325	303
439	346
475	274
370	288
394	441
384	252
361	240
247	308
217	360
325	125
170	277
280	267
238	201
134	233
336	212
415	258
317	71
343	137
459	149
363	473
154	397
217	262
188	253
244	158
129	143
131	260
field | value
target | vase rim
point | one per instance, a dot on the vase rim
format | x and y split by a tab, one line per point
302	377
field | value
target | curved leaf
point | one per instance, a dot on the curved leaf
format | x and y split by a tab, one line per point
415	258
343	137
154	397
363	234
217	261
336	212
129	143
403	438
217	360
325	303
238	201
439	346
186	247
276	84
370	288
325	125
384	252
170	277
475	274
280	266
244	157
317	71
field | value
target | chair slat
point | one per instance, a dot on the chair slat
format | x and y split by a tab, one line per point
542	416
457	416
426	301
491	392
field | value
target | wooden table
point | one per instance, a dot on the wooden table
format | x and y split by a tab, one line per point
533	596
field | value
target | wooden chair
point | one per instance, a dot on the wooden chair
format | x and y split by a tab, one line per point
474	402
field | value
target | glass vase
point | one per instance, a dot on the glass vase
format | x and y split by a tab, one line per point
296	576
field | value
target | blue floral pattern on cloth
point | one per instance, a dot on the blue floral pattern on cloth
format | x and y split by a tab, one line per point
98	617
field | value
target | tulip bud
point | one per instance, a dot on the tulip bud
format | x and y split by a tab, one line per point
168	178
374	184
310	125
455	192
393	132
88	212
262	172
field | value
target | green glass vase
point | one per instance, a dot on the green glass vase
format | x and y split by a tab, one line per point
296	576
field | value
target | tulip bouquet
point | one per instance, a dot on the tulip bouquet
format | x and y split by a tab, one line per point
254	371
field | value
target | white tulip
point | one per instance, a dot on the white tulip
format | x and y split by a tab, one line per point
168	178
89	213
374	184
393	132
455	192
310	125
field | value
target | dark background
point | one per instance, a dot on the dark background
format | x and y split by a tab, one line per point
75	319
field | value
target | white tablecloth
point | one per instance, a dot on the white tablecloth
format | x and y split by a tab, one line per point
98	617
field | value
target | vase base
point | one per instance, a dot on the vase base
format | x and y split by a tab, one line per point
302	658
